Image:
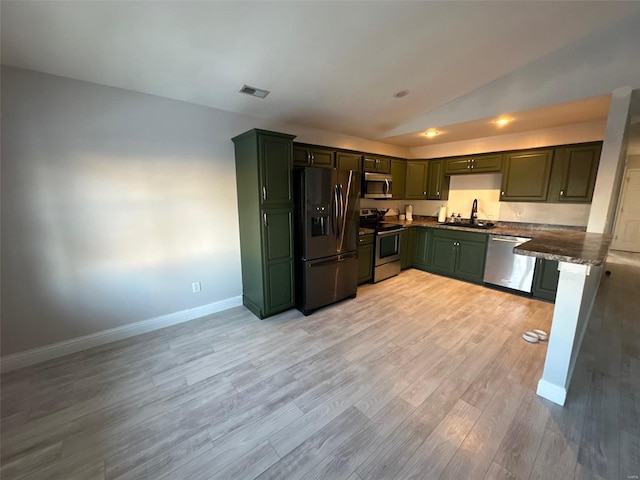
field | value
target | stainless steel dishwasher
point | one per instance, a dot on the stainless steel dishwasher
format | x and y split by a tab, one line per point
505	268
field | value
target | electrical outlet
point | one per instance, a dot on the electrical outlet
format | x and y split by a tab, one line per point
196	287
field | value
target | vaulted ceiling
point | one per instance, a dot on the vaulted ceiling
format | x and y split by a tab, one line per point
328	65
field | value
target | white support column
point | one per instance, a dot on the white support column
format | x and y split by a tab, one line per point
577	288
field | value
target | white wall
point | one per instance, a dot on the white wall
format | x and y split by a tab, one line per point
113	202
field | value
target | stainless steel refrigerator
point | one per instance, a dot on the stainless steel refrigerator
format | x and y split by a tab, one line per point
326	236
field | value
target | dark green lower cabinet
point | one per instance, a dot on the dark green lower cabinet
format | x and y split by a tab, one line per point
458	254
443	255
279	285
404	249
470	260
545	279
421	248
365	258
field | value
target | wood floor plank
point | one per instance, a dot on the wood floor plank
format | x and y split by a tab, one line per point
154	462
313	450
600	441
520	445
432	457
556	458
358	447
498	472
475	455
250	466
389	457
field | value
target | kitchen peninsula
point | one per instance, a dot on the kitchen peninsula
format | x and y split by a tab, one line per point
580	256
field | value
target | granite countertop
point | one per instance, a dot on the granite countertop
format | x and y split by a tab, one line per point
551	242
567	246
366	231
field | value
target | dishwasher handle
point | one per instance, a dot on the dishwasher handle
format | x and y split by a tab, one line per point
516	240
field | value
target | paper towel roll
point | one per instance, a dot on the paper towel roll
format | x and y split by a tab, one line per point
442	214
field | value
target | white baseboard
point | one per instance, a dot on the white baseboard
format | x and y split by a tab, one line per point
49	352
552	392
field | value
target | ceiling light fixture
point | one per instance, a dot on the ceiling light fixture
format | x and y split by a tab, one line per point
401	93
431	133
255	92
501	122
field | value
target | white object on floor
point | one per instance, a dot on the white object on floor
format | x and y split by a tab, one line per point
530	337
542	335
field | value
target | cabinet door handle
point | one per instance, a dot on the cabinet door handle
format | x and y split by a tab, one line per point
471	166
264	219
313	158
502	194
561	193
438	193
264	193
424	193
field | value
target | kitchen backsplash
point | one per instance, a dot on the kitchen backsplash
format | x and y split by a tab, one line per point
486	188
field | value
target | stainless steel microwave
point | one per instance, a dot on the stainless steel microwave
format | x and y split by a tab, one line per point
376	185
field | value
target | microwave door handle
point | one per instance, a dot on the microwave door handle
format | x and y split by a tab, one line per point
385	187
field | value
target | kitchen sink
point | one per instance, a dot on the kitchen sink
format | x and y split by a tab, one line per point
479	226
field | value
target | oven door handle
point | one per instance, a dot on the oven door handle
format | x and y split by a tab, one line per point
389	232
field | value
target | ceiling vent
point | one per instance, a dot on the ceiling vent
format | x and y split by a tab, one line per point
256	92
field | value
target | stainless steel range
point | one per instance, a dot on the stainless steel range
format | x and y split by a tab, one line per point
387	243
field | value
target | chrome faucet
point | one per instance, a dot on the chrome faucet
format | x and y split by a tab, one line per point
474	211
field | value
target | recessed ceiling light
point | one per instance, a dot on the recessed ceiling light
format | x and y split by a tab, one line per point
502	121
431	133
401	93
255	92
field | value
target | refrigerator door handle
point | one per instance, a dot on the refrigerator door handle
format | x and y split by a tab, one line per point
336	212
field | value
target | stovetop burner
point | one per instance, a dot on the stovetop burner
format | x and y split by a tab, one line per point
370	218
386	226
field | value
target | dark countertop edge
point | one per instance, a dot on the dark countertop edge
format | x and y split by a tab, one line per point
550	242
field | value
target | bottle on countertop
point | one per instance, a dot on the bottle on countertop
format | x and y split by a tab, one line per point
453	218
458	219
409	212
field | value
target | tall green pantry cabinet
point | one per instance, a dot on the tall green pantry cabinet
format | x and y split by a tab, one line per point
264	162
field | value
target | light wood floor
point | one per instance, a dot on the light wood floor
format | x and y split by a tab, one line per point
419	377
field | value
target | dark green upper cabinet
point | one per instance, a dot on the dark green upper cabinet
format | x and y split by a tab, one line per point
377	164
416	185
349	161
574	171
485	163
398	175
437	183
275	170
312	156
525	176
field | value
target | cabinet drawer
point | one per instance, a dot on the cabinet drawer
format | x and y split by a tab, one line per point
365	239
460	236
